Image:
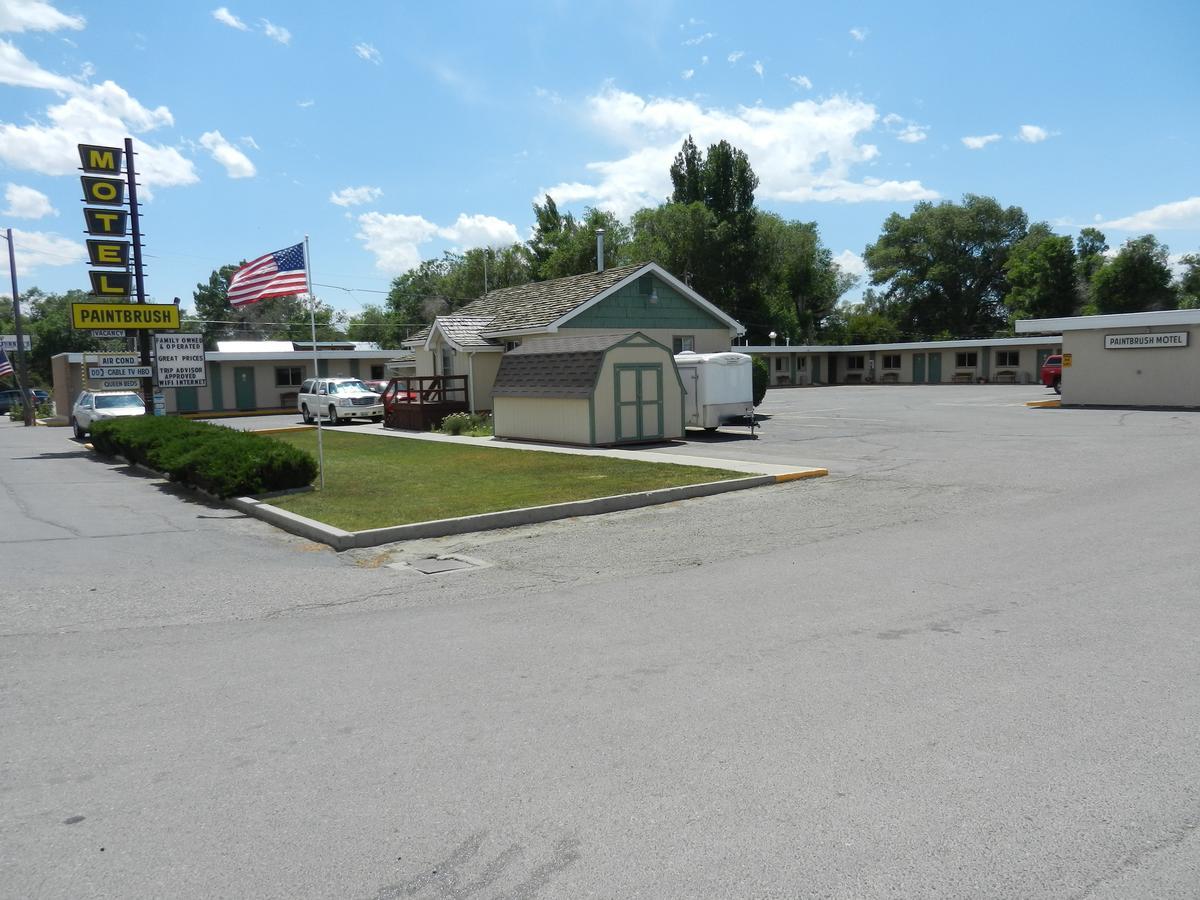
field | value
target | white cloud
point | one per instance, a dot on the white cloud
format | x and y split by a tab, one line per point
905	130
1180	214
396	239
802	152
686	74
859	34
225	17
355	196
736	55
305	104
851	262
978	142
20	71
758	68
1032	134
37	249
236	163
704	60
699	39
369	53
248	141
800	81
276	32
27	203
479	230
35	15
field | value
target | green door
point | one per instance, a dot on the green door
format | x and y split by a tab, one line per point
935	368
243	387
918	368
186	399
639	401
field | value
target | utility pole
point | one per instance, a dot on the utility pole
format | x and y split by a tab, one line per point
22	370
139	283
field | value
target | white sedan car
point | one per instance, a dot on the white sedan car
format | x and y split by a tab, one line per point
94	407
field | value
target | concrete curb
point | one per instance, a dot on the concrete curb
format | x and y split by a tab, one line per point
339	539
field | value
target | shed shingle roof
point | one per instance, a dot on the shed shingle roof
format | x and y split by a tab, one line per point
565	368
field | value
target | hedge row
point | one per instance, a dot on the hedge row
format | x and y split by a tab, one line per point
220	460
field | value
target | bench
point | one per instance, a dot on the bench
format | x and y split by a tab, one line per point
1005	378
889	378
964	377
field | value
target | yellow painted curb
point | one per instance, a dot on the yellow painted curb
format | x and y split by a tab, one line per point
236	414
797	476
283	430
1044	404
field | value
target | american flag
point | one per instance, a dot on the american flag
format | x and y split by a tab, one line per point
5	366
277	274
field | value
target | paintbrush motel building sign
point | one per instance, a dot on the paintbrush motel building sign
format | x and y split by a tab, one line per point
1145	341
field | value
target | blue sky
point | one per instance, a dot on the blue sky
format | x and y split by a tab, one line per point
390	132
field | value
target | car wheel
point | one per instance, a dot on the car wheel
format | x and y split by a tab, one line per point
1057	387
79	432
304	414
333	419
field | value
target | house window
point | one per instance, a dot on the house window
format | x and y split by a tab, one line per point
646	285
856	362
891	360
1008	358
511	345
376	373
447	361
966	360
683	343
779	363
288	376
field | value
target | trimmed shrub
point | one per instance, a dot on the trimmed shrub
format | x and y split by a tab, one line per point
220	460
762	377
472	424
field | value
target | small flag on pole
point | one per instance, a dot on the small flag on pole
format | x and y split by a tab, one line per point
5	366
277	274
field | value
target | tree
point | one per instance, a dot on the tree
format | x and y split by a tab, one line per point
574	251
376	324
677	236
1188	286
687	175
945	264
1041	274
1091	245
1137	279
796	275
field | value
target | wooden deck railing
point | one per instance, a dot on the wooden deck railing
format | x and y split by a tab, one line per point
420	402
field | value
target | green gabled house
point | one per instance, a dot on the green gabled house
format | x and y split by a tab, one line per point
641	298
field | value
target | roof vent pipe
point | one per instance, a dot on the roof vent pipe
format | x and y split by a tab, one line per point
599	249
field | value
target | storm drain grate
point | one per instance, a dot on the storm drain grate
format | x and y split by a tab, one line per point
439	564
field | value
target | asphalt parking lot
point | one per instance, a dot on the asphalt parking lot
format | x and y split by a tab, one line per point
965	664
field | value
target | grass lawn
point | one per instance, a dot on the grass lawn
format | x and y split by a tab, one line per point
373	482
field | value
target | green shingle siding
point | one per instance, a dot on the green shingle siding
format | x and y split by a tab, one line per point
628	308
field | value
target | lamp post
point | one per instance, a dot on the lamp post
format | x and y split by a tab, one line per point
772	336
22	371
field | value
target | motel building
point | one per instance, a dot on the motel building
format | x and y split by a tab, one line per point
975	361
247	376
1130	360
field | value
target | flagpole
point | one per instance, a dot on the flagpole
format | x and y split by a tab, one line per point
312	321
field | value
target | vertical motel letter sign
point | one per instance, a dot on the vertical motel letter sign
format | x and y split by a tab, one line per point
104	185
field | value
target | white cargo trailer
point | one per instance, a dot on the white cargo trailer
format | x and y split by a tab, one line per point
718	388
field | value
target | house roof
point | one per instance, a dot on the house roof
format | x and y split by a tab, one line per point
1112	320
565	368
543	306
463	331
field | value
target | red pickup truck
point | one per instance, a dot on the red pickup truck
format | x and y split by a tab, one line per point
1052	372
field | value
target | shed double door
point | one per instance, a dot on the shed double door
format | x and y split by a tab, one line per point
639	401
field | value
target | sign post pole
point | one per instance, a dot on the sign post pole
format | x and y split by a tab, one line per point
312	322
22	370
139	283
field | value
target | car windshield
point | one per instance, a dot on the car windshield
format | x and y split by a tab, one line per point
348	387
118	401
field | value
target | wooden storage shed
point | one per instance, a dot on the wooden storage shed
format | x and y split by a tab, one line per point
598	390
